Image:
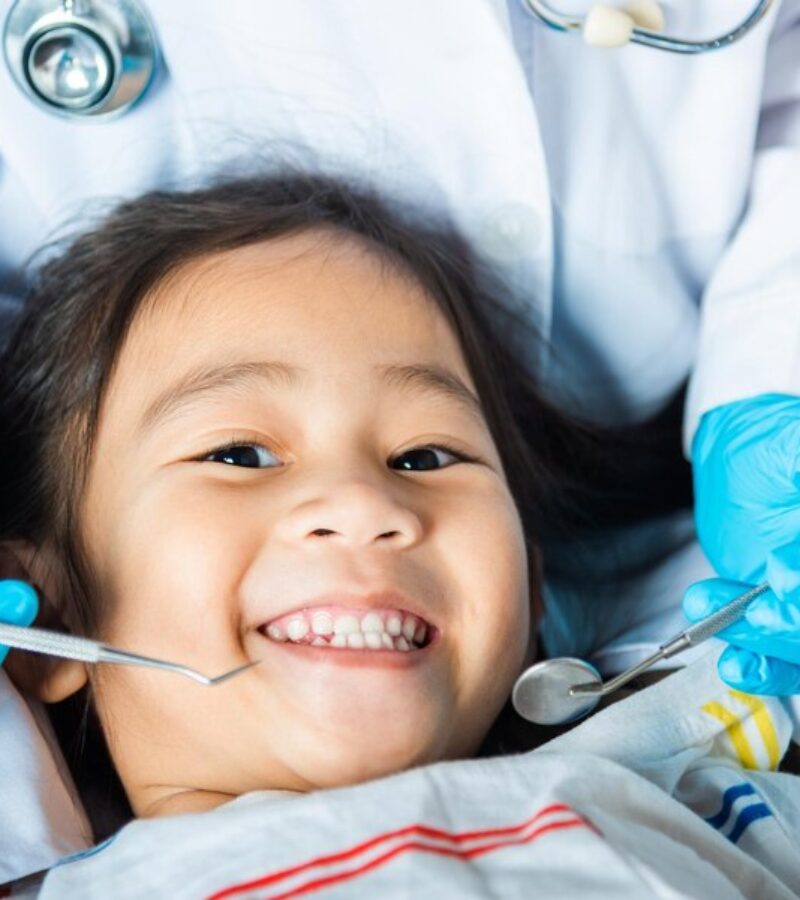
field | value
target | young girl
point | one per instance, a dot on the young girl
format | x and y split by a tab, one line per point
269	421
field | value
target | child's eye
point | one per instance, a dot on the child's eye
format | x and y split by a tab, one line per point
422	459
249	456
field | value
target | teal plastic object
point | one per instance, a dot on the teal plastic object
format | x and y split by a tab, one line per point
19	605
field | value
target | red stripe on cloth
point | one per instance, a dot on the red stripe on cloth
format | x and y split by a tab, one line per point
455	853
416	830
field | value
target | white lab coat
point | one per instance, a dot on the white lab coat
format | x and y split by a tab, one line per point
644	207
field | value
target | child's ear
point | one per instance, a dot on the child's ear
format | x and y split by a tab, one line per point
10	562
48	678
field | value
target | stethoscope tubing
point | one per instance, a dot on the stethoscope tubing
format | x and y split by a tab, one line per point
545	14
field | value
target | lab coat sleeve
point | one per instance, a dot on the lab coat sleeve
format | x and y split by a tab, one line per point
749	341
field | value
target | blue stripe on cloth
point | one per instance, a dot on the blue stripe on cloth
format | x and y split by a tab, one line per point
82	854
728	799
749	814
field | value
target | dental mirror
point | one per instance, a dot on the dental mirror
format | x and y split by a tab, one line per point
557	691
543	693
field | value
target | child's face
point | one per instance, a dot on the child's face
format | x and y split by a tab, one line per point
331	373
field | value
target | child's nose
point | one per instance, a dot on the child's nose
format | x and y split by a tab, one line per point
358	514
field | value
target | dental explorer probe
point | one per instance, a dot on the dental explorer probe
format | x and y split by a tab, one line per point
68	646
556	691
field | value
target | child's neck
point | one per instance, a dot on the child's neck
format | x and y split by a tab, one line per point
184	800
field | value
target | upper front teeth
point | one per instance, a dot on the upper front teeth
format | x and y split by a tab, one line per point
297	629
371	622
373	630
346	625
322	623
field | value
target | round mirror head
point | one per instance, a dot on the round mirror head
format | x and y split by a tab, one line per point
542	693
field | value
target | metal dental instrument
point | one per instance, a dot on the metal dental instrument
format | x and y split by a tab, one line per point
67	646
557	691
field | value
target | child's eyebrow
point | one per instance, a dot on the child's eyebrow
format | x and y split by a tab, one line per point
436	381
208	380
418	379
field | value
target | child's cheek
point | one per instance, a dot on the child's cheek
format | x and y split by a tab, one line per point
173	559
493	626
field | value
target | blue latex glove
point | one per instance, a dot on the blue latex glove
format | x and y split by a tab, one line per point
18	606
764	656
746	458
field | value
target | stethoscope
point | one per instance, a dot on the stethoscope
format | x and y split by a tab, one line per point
88	58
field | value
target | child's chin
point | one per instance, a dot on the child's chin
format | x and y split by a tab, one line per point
360	771
375	756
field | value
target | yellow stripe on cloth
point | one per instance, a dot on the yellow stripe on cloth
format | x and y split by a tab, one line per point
733	726
764	723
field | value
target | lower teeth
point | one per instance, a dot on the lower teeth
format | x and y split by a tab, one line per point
359	641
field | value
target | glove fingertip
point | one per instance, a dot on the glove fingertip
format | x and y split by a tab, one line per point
19	602
745	671
756	674
783	571
730	666
19	605
696	602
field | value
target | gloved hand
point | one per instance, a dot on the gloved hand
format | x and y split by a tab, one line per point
18	606
764	656
746	459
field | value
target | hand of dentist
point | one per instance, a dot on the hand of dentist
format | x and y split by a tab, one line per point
746	459
18	606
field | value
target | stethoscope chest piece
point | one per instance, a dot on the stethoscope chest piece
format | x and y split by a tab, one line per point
80	57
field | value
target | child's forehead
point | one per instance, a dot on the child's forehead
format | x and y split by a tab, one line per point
285	279
308	258
319	300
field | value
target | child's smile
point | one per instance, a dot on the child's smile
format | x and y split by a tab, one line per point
354	622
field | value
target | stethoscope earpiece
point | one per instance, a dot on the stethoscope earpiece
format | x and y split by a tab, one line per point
80	57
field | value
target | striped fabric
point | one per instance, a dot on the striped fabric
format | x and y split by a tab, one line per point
669	793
